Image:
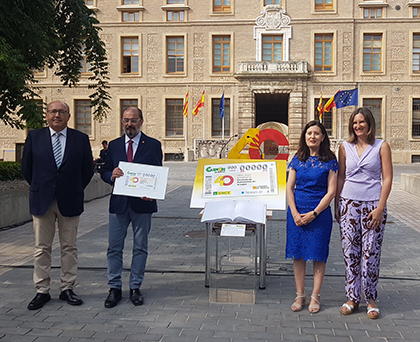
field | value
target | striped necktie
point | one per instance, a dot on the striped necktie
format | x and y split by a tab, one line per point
58	155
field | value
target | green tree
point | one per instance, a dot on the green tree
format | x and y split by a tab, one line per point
35	34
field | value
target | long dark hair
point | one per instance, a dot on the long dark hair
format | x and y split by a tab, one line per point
325	153
370	120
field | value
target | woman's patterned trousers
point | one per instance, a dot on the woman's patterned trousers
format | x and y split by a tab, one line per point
361	248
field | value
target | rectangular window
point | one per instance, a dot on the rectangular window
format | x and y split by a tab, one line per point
372	52
130	17
375	106
372	13
85	66
221	6
175	2
323	52
174	117
124	104
416	52
175	55
327	118
83	116
415	128
175	15
130	56
416	12
216	121
89	2
221	54
272	2
131	2
272	48
324	5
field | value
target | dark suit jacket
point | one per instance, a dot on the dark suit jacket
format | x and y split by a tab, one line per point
148	152
47	182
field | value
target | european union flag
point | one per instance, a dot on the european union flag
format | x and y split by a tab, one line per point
222	106
347	98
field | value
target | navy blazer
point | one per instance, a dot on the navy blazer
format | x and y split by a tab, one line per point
148	152
66	183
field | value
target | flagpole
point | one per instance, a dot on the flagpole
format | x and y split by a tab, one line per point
223	119
339	122
204	114
320	119
186	132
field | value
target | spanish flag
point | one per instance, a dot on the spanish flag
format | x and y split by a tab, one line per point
320	108
199	104
186	105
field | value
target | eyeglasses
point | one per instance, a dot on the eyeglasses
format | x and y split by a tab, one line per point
57	111
133	121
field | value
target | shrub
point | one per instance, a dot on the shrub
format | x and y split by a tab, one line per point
10	171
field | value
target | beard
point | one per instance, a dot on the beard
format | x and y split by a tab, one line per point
131	131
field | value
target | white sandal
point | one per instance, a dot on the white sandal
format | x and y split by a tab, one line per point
370	313
297	307
350	308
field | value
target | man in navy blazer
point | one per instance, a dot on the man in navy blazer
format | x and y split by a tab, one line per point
134	146
57	163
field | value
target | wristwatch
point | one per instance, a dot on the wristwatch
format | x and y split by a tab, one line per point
315	214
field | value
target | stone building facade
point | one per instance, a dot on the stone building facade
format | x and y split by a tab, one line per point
272	59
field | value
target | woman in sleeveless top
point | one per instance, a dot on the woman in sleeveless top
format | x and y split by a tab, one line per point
311	186
361	208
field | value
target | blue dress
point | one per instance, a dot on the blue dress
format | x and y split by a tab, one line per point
310	242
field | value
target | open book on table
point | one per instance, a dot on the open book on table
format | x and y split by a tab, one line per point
234	211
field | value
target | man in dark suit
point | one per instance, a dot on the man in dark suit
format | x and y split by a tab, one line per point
134	146
57	163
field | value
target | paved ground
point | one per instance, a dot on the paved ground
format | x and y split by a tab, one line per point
177	304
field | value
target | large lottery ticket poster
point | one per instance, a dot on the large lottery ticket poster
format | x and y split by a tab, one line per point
255	180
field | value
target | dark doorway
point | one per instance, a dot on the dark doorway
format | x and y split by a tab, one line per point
271	107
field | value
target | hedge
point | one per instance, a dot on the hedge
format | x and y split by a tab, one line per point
10	171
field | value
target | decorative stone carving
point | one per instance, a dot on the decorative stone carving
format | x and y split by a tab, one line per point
398	38
397	66
152	78
152	39
174	145
152	130
398	118
198	38
347	38
347	66
397	103
151	104
198	65
152	53
347	77
198	77
372	78
415	145
152	67
273	17
398	52
198	52
397	77
397	132
347	52
396	144
209	149
105	130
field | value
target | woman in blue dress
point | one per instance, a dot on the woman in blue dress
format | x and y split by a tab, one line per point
311	186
